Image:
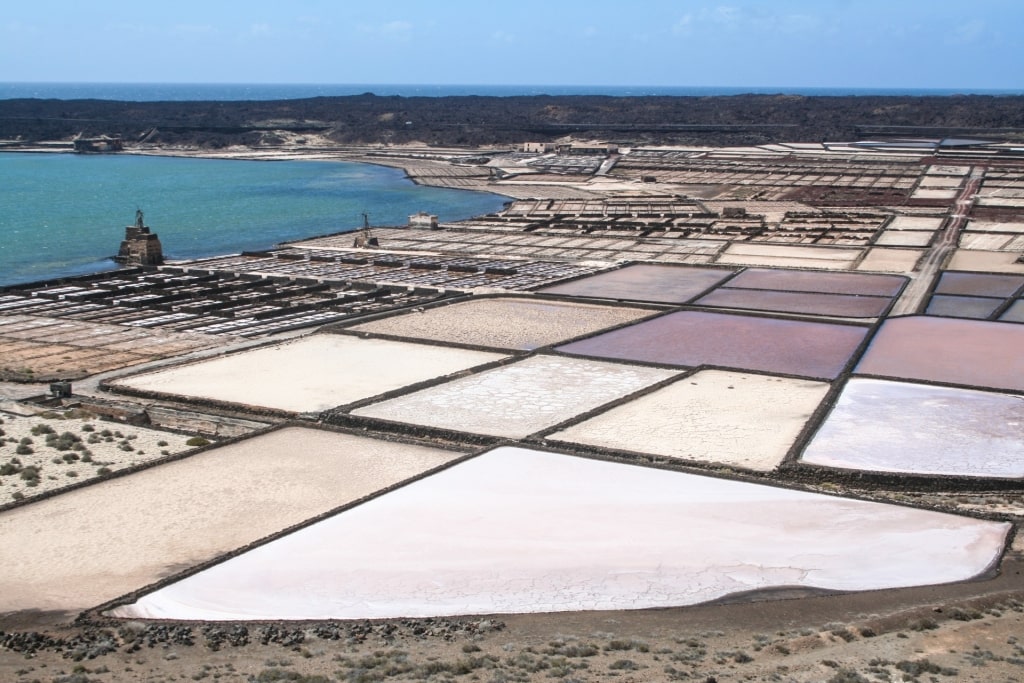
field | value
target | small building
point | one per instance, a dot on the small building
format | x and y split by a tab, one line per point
98	145
422	219
538	147
140	247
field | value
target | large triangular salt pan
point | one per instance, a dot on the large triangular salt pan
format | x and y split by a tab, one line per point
516	530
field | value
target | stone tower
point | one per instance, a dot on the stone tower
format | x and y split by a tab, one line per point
140	247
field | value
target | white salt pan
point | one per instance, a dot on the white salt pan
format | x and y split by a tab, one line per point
313	373
708	416
899	427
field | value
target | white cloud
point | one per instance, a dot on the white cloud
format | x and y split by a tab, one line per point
393	30
970	32
724	14
684	26
192	30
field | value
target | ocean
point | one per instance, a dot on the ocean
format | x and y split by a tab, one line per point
64	214
178	92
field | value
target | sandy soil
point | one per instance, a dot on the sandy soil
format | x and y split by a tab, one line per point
919	635
101	446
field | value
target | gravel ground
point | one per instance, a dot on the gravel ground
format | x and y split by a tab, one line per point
91	449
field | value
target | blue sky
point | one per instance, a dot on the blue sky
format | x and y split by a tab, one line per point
760	43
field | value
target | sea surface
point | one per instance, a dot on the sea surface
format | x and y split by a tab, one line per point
64	214
163	92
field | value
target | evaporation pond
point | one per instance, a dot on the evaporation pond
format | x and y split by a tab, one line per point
973	353
506	323
899	427
818	281
519	399
692	338
836	305
313	373
517	530
85	547
707	417
654	283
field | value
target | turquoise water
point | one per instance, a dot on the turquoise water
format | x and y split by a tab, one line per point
64	214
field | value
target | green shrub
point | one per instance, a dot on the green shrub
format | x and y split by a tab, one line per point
197	441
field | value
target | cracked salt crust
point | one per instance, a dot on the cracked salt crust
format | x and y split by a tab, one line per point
88	546
516	530
312	373
707	417
900	427
517	400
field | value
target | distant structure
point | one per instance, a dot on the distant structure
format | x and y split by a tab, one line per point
422	219
98	145
364	240
538	147
140	247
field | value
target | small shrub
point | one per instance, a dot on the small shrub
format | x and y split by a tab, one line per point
103	470
88	428
41	429
72	473
623	665
24	449
197	441
18	495
30	473
161	443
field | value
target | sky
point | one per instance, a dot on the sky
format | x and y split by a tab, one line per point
973	45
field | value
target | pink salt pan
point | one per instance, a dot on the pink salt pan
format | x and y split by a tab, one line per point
517	530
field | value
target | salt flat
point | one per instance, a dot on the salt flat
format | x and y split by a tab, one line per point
91	545
707	417
313	373
900	427
519	399
517	530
